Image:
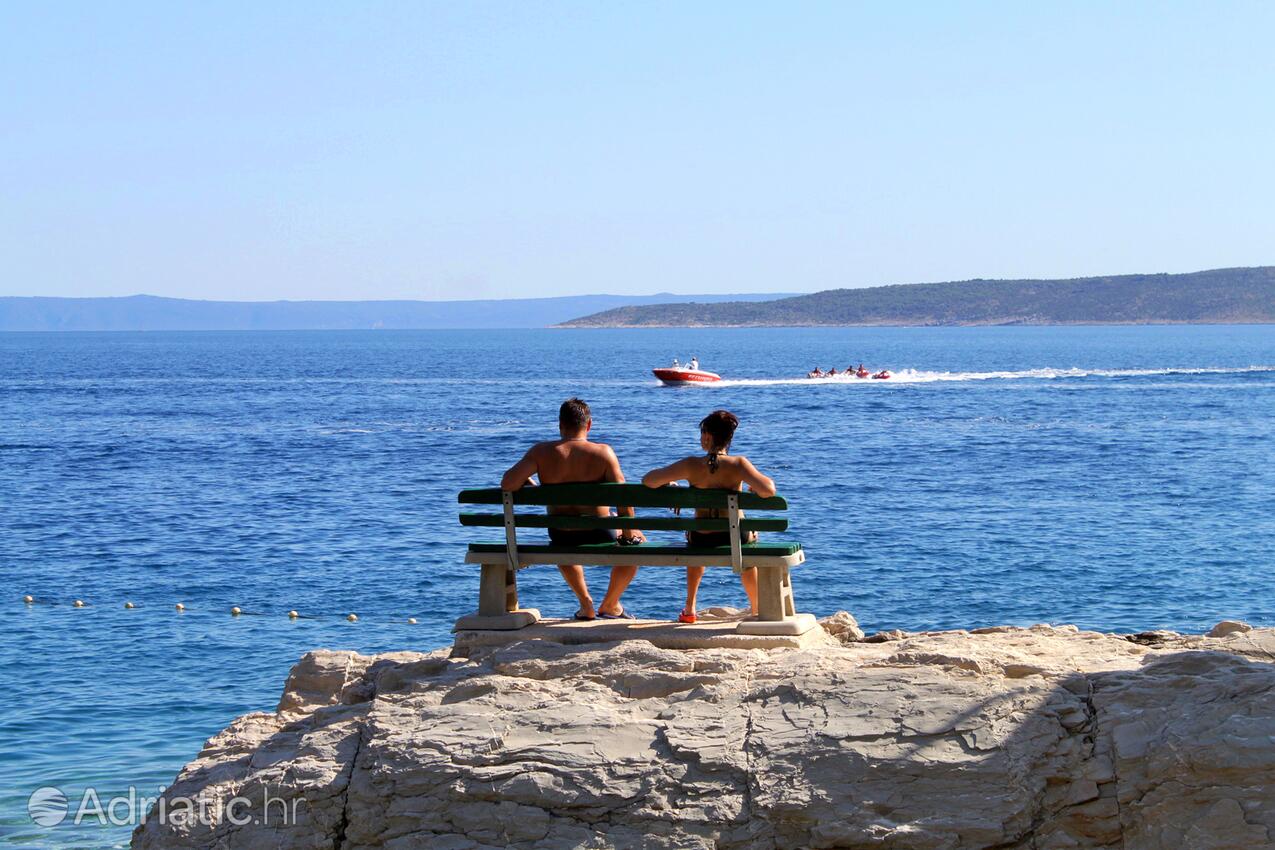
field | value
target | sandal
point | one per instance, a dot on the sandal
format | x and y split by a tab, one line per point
579	615
622	615
686	616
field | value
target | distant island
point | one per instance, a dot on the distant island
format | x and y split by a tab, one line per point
1220	296
151	313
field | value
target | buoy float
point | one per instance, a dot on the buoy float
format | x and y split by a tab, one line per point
235	611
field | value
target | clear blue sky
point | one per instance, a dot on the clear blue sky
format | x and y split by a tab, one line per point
418	150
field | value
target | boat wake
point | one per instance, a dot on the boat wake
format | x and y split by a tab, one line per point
917	376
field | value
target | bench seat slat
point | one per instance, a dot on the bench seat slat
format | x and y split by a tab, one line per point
644	523
628	495
645	555
772	550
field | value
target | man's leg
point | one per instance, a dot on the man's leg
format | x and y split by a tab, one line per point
620	578
574	575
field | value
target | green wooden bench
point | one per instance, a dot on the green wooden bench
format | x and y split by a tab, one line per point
500	561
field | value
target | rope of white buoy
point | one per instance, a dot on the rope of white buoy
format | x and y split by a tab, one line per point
235	610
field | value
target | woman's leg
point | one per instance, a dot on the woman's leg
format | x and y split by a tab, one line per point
748	578
693	576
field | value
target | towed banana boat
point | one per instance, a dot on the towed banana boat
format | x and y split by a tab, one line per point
884	374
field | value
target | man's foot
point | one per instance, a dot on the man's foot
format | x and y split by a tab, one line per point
686	616
619	615
583	617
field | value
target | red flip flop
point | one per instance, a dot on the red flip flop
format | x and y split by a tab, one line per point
686	616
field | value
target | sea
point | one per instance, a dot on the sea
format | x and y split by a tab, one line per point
1118	478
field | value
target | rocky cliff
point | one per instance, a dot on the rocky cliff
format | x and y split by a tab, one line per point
1047	737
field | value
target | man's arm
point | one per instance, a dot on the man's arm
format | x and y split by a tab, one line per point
520	473
616	475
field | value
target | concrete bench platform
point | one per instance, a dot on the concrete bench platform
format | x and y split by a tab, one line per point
706	634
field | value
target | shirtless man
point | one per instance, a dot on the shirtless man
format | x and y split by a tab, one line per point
575	460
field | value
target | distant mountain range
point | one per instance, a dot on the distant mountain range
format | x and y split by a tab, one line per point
1241	295
151	313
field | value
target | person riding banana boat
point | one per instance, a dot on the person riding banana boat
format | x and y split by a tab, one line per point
860	372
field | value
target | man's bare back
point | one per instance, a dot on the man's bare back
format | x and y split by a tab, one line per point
573	460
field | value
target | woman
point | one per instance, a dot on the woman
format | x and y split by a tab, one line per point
716	469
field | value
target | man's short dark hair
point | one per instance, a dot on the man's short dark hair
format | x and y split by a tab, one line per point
573	415
720	425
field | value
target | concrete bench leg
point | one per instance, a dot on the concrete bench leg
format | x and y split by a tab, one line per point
498	602
776	615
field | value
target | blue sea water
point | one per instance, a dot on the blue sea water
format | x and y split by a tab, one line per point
1119	478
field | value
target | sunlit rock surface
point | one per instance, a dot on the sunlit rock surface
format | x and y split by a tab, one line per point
1000	738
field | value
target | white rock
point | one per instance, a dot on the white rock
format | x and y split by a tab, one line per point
1228	627
843	626
1015	739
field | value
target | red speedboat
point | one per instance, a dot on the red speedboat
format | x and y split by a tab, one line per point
682	375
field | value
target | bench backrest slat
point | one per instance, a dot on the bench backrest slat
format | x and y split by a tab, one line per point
627	495
646	523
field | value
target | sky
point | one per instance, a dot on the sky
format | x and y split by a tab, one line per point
263	150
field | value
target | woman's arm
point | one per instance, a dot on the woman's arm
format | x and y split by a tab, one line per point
760	484
666	475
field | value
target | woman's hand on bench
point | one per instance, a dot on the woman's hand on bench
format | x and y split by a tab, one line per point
631	537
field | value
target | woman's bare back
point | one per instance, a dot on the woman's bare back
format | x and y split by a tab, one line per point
729	474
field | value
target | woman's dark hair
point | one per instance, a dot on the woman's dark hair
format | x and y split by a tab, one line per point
720	425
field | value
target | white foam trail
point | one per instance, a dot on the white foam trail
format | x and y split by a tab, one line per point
916	376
